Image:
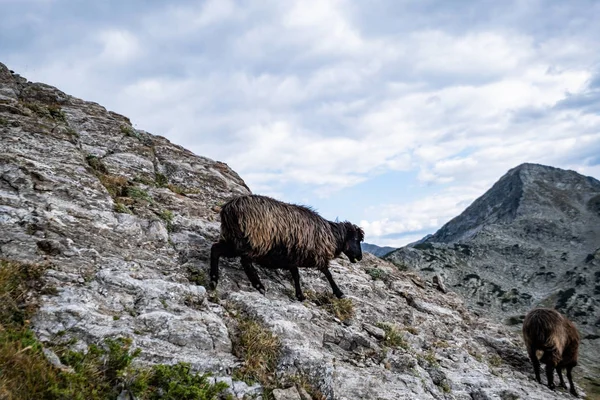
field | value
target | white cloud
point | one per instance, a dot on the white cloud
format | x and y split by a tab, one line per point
318	96
119	46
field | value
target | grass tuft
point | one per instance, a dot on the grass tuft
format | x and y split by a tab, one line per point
378	274
137	194
393	337
122	208
161	180
167	216
343	309
259	349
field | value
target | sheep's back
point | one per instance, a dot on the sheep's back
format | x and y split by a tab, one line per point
258	224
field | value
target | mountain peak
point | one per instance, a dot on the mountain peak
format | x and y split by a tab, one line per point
523	192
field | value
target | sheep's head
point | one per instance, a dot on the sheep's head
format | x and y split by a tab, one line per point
354	235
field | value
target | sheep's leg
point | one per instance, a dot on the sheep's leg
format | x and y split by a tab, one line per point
218	250
336	290
560	378
252	275
570	378
536	363
296	278
550	374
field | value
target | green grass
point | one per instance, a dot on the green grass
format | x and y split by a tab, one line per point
129	131
178	382
197	277
161	180
167	216
122	208
137	193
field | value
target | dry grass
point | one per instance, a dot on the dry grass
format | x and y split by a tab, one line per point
393	337
116	185
259	349
343	309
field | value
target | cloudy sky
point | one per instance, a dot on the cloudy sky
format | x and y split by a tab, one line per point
394	114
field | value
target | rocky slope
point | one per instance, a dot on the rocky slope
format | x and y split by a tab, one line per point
125	219
376	250
532	240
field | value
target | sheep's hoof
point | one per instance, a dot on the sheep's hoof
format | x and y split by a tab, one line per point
300	297
551	386
574	392
213	285
261	290
340	295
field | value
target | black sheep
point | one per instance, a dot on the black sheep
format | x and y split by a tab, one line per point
275	234
547	330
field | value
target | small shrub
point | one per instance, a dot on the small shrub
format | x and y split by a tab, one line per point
197	277
343	309
129	131
116	185
122	208
51	112
37	109
56	113
377	274
176	189
495	360
259	349
430	358
137	193
178	382
96	164
445	386
161	180
167	216
393	337
3	121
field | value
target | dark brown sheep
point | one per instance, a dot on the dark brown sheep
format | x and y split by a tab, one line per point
546	330
274	234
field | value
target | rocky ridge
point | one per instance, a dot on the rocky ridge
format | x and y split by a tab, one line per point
532	240
125	219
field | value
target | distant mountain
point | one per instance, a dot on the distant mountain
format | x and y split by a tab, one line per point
376	250
533	239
